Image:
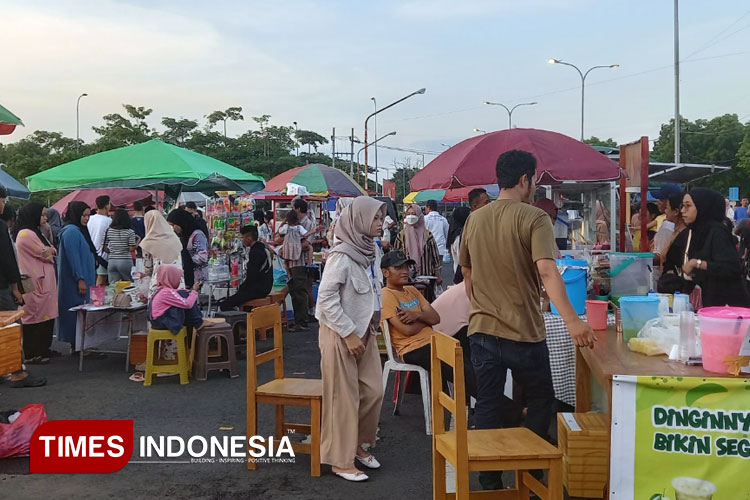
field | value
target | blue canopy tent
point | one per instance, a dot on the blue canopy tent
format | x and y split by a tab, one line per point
14	187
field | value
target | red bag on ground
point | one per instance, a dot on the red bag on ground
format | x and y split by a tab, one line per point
15	438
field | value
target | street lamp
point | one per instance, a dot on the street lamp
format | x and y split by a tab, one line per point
420	91
583	79
364	148
480	130
78	126
296	138
375	133
510	111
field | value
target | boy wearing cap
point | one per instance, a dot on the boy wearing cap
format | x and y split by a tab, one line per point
411	318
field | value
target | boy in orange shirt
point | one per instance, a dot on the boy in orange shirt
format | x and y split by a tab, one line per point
410	318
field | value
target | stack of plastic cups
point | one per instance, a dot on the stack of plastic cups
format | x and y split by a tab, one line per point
687	336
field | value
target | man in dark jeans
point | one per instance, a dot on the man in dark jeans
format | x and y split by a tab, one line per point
506	328
10	295
259	272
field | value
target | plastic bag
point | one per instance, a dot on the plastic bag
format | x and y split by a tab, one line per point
664	332
15	438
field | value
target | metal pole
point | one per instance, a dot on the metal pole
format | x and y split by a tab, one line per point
375	133
78	127
333	147
296	139
583	94
676	83
351	164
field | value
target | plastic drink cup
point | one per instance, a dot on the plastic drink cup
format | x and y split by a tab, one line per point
690	488
596	314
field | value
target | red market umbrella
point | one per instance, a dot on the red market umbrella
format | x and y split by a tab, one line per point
472	162
119	197
8	121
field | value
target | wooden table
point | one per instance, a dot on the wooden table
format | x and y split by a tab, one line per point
610	356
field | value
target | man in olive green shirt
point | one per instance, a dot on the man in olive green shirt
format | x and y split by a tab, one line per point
507	253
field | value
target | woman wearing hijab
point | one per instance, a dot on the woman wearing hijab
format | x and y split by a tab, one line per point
160	246
341	204
75	269
349	359
706	254
172	307
194	246
458	220
419	245
36	258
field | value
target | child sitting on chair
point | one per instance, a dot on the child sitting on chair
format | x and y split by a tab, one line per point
294	245
411	318
172	308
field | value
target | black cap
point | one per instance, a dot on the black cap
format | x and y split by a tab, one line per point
395	258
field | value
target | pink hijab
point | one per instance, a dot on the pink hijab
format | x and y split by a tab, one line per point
416	238
168	278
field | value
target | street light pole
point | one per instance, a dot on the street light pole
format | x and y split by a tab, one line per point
420	91
510	111
480	130
364	148
375	133
296	137
78	123
583	80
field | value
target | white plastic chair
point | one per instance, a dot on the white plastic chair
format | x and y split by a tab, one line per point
396	364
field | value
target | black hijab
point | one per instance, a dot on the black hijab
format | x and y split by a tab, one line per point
28	218
711	209
457	223
73	217
186	221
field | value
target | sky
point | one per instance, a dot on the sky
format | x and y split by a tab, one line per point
319	63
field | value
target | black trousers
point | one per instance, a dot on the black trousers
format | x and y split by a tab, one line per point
298	291
37	339
422	357
239	298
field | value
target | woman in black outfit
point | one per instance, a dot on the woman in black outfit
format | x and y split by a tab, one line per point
706	253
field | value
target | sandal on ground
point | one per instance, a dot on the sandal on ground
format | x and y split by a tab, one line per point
357	478
369	461
28	381
37	360
137	377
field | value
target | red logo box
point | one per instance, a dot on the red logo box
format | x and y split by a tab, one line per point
81	446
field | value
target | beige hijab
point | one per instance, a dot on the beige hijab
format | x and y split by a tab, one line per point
353	229
160	241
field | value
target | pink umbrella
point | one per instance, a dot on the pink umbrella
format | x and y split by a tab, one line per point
119	197
472	162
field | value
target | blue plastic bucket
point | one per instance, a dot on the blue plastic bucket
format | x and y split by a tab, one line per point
635	311
575	283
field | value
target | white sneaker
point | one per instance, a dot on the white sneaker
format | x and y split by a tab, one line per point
370	462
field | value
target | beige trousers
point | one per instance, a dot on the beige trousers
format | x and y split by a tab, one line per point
352	397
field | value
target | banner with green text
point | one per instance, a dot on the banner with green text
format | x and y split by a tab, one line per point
680	438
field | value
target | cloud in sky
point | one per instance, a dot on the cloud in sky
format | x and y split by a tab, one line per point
318	63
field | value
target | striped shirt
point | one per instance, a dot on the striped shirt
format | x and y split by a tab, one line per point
432	262
119	242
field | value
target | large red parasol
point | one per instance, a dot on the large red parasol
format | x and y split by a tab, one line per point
119	197
472	162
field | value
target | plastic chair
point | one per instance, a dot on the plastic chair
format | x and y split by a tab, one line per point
205	361
180	365
517	449
281	391
396	364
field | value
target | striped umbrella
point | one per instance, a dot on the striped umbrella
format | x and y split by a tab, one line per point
318	179
449	195
8	121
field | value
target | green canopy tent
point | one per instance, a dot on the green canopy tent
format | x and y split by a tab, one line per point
149	165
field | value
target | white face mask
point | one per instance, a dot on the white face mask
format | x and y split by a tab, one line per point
411	219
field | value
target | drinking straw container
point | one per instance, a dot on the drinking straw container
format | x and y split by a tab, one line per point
630	273
574	274
635	311
596	314
722	331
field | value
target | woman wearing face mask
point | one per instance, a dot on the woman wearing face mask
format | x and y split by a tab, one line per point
348	299
419	245
706	253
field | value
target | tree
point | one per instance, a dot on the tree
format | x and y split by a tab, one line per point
119	131
233	113
178	131
404	171
595	141
310	139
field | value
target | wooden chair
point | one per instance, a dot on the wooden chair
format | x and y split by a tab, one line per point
279	298
280	391
516	449
254	304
